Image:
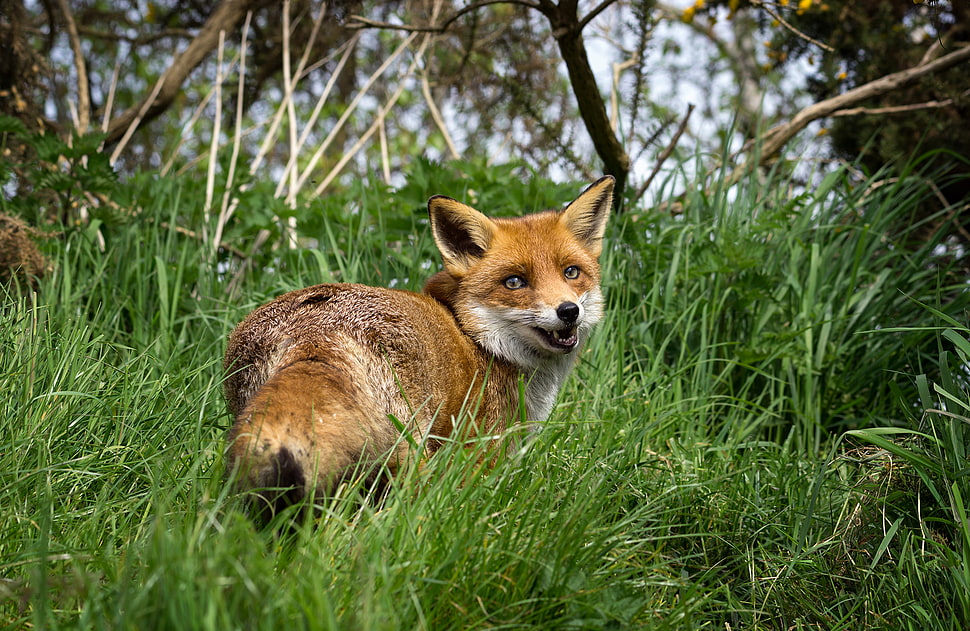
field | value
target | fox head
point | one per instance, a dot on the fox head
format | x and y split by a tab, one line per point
526	289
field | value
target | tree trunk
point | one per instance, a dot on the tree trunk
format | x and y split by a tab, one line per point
567	30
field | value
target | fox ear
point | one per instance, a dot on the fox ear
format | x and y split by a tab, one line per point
462	233
585	217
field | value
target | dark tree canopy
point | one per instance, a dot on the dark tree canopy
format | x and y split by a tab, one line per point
359	87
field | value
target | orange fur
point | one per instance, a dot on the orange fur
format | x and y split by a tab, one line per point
314	377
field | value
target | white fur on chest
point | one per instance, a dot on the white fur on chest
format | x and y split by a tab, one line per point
543	387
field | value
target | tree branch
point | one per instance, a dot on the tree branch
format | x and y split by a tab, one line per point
776	138
567	29
225	18
896	109
436	116
141	40
783	22
666	153
360	22
592	109
363	22
83	92
592	14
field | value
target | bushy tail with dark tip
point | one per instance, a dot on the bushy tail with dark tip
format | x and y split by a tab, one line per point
279	484
287	483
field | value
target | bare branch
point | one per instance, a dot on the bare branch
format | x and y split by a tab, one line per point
115	75
385	152
379	120
783	22
777	137
269	140
436	116
210	180
289	89
592	108
618	69
567	30
348	112
196	115
362	22
141	40
484	3
666	153
227	207
592	14
896	109
940	44
83	92
224	19
135	123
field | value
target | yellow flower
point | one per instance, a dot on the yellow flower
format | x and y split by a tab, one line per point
689	12
803	6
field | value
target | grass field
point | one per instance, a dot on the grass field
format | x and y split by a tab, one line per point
768	431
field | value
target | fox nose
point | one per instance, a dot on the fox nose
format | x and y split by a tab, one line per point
568	312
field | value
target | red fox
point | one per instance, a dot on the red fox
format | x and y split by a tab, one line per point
323	381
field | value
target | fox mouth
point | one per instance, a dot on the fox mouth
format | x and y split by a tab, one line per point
563	340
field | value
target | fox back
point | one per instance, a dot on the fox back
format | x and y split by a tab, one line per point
322	381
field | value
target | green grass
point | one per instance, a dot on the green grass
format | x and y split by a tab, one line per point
769	430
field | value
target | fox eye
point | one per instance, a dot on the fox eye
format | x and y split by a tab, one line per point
571	272
514	282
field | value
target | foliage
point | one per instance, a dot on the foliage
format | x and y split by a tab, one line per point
873	39
868	40
479	66
928	460
21	80
694	475
53	177
783	301
318	95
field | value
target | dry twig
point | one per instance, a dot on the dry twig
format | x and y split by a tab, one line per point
666	153
83	93
798	33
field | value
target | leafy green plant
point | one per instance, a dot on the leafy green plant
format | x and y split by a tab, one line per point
56	177
928	501
676	485
773	299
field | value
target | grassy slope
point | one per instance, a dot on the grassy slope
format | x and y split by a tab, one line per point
695	474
